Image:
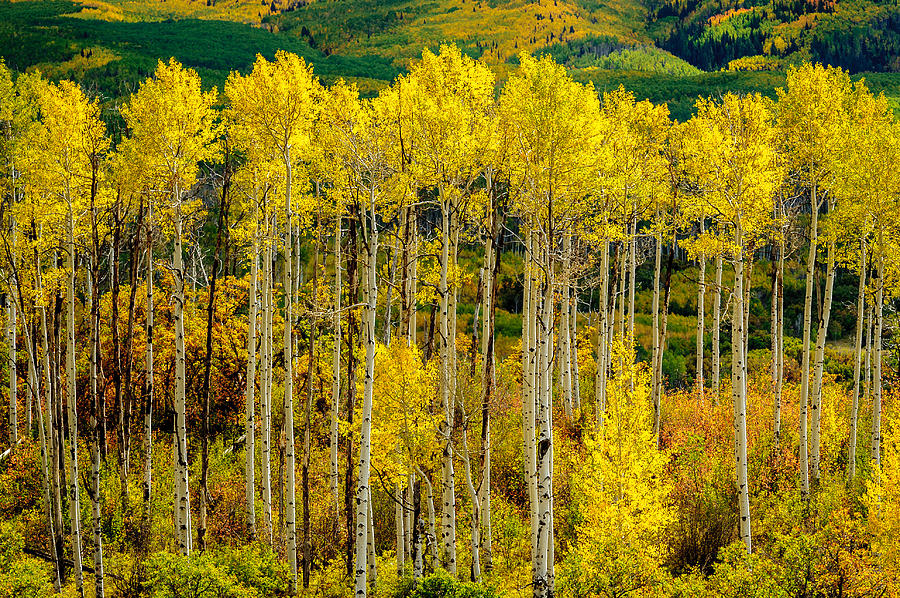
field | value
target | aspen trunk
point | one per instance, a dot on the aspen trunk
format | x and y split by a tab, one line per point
475	542
11	343
716	331
363	494
565	367
701	313
876	357
182	495
602	334
352	335
857	360
94	491
290	519
74	492
399	529
267	382
821	336
664	329
492	263
307	540
541	570
529	367
804	367
739	393
779	381
148	377
336	374
632	270
656	353
448	491
250	395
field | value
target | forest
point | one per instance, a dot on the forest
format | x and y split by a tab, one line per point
458	339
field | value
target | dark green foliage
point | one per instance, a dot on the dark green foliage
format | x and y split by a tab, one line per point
37	32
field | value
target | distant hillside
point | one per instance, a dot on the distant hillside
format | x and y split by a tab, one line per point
663	50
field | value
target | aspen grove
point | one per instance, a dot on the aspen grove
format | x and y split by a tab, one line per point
463	338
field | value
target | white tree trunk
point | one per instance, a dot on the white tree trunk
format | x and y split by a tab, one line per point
543	554
182	494
148	377
655	355
290	519
250	397
739	393
448	491
74	492
363	495
821	336
876	357
701	314
716	331
11	343
267	382
857	360
336	373
602	337
805	339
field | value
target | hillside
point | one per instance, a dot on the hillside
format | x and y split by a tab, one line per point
663	50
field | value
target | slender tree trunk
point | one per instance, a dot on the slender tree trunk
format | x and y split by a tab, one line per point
664	329
399	529
565	366
857	360
290	457
74	492
541	570
11	343
779	329
363	494
183	501
632	269
529	392
875	451
701	313
249	397
149	387
804	367
267	382
492	262
716	331
821	336
655	356
307	540
602	336
334	474
352	335
222	228
448	491
738	392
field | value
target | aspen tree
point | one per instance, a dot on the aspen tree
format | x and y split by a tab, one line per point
367	155
550	121
69	147
732	159
450	95
809	114
864	175
276	102
172	127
